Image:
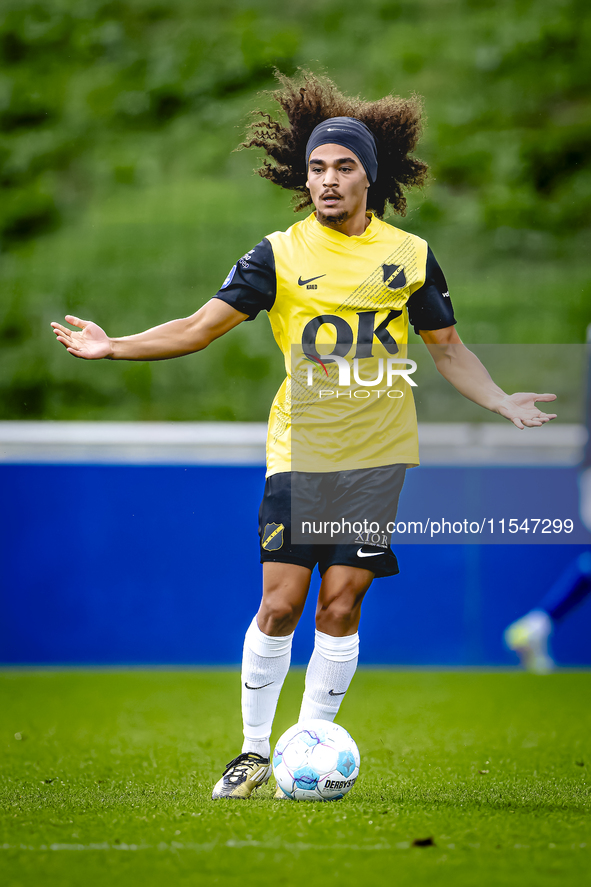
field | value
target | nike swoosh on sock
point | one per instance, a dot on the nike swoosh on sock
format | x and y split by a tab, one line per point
248	687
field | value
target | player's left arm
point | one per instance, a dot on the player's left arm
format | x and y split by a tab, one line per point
469	376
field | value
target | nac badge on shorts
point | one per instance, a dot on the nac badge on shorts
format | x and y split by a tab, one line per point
273	537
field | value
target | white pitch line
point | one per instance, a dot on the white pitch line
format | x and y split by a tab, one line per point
202	848
175	846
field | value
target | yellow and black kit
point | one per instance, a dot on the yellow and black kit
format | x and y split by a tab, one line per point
332	299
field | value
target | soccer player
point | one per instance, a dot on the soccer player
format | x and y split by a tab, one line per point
528	636
345	281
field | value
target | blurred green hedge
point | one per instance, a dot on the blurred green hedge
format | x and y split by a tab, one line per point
118	185
512	119
77	74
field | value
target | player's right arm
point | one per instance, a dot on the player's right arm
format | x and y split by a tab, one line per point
173	339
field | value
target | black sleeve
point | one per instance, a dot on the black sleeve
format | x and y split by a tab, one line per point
429	307
251	285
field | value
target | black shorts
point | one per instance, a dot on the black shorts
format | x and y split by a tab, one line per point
337	517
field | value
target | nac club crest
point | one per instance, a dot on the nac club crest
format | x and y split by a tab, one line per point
273	537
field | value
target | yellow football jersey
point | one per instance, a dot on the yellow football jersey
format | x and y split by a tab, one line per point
339	309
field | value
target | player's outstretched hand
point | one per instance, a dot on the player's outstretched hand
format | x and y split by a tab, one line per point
521	409
90	342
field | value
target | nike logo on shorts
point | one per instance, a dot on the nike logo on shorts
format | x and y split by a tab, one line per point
332	693
361	553
309	280
248	687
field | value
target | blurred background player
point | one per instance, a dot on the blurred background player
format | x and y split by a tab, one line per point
528	636
344	268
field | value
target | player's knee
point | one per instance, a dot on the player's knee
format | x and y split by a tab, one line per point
277	618
340	614
335	621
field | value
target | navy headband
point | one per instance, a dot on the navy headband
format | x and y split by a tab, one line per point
352	134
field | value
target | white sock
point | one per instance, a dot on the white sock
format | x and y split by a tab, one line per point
329	674
265	663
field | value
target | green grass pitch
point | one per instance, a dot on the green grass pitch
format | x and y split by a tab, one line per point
106	779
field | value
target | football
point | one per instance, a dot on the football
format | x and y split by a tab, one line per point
316	760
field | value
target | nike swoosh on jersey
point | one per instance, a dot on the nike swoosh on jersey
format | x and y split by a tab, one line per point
361	553
248	687
332	693
309	280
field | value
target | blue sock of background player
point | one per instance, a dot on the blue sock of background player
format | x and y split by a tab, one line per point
569	590
528	636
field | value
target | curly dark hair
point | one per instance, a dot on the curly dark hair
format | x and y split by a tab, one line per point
309	99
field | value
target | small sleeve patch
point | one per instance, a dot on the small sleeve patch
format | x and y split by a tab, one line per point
229	278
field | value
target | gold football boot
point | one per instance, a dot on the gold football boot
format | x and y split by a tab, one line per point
242	776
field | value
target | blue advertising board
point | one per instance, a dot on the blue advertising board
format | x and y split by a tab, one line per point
158	564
